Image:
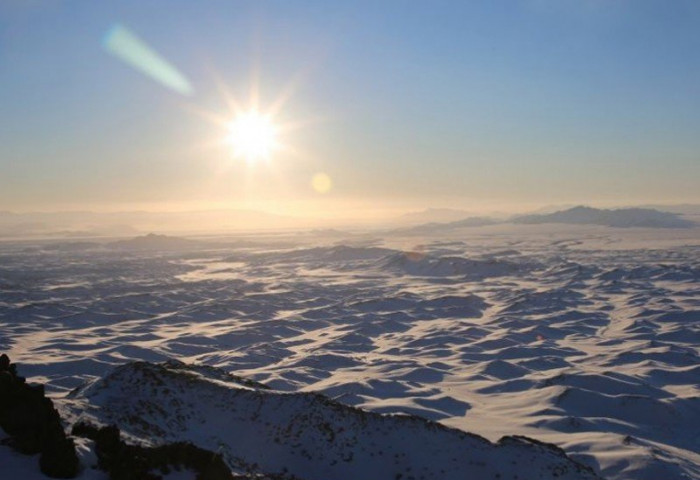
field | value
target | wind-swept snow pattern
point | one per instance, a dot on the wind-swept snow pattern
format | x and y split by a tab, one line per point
585	337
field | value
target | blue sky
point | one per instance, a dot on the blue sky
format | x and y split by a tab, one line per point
404	104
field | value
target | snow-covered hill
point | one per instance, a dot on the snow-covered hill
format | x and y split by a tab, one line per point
304	435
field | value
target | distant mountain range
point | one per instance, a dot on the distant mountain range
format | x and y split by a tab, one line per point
681	209
85	224
620	218
433	226
581	215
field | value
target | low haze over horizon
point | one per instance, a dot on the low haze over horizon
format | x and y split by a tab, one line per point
358	109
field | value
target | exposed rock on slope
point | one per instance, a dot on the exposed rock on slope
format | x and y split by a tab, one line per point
123	461
33	424
300	434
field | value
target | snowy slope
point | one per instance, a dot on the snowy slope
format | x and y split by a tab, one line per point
302	434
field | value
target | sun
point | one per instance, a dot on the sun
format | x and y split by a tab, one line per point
252	135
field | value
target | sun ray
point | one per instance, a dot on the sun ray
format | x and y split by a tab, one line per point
231	102
211	117
287	92
254	94
299	124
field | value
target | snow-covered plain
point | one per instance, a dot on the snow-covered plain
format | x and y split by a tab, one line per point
585	337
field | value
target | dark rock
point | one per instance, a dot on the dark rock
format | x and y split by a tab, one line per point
123	461
58	458
4	363
33	424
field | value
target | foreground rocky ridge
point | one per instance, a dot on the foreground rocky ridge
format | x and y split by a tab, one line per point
300	435
33	424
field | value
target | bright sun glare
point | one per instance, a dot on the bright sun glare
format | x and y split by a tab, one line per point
253	136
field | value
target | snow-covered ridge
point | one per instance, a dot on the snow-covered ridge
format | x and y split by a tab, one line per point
303	435
419	264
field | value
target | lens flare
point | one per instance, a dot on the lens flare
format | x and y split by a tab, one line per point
126	46
322	183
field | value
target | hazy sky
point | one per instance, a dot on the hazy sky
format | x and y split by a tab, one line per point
401	103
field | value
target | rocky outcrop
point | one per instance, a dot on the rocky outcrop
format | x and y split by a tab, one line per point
125	462
33	424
